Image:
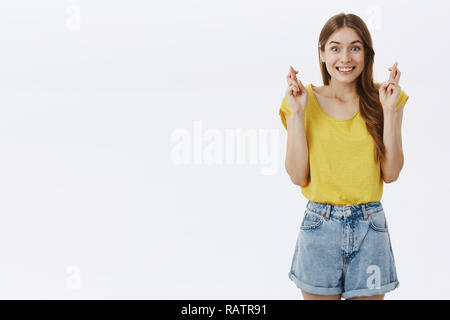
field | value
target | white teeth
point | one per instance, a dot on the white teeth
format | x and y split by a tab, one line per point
345	69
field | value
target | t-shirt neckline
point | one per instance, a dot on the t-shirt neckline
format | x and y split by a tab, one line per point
316	102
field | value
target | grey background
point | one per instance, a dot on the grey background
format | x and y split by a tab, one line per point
92	203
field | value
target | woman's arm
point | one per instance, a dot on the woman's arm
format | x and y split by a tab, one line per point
392	139
297	155
390	92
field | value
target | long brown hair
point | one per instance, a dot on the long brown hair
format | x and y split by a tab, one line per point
369	101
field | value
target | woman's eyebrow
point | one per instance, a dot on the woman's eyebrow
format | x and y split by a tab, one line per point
340	43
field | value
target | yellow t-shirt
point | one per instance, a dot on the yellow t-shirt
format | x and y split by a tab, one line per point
342	163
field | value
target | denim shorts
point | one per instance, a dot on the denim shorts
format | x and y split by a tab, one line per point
344	250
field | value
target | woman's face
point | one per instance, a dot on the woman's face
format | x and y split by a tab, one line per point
344	48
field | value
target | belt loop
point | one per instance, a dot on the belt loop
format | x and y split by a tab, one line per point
363	206
328	210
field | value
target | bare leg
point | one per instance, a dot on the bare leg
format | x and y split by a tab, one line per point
376	297
310	296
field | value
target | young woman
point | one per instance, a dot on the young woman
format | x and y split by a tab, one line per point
343	143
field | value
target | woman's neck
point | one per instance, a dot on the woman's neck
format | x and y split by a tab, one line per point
342	91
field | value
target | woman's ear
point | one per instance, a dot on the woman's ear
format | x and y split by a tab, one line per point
321	56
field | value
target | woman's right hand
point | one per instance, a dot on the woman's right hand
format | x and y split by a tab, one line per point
296	93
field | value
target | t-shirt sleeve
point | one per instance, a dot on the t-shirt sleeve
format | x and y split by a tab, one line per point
403	97
285	108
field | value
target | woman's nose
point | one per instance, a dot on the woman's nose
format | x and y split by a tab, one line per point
345	57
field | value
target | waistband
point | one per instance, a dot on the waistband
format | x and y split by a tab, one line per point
327	210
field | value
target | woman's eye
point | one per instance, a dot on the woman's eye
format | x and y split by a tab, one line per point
352	48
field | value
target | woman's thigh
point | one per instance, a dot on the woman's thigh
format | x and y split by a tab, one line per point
375	297
310	296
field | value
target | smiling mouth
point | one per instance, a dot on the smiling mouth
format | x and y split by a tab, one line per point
347	70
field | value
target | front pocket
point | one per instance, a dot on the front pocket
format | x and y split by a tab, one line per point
311	221
377	221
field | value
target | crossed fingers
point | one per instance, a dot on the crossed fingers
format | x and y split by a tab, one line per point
394	76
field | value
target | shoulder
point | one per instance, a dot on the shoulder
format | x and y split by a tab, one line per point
317	90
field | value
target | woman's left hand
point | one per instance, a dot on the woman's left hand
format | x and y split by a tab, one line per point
390	91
